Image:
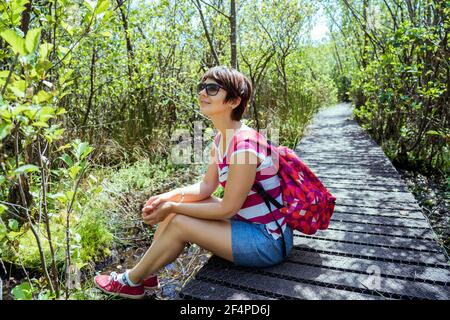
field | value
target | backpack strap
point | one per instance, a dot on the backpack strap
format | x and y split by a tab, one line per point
267	199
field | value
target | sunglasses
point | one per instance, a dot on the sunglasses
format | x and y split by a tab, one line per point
211	88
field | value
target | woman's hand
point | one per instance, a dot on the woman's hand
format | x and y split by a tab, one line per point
155	201
158	214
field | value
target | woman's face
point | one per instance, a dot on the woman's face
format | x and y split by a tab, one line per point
213	105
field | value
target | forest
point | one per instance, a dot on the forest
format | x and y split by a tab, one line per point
96	96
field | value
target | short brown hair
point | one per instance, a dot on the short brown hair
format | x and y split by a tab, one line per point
236	85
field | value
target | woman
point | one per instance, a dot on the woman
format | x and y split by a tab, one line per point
239	227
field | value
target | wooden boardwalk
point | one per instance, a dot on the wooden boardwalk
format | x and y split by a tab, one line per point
379	244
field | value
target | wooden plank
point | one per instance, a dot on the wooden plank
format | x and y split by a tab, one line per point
406	213
337	126
361	180
343	163
378	240
343	145
344	134
355	250
427	274
332	185
373	203
312	160
381	212
316	137
384	230
204	290
344	166
384	221
308	151
366	178
331	155
368	283
357	194
367	185
339	144
355	172
278	288
340	155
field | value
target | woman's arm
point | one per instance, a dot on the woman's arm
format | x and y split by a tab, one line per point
241	176
192	193
200	190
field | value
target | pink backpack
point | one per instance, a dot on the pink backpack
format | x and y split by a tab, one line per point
307	204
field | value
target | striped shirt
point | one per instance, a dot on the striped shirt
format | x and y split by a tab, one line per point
254	208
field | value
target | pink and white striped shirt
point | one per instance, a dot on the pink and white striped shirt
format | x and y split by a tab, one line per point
254	208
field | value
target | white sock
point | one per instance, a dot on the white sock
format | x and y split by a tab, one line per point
125	280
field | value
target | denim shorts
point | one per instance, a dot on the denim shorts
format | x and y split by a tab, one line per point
253	246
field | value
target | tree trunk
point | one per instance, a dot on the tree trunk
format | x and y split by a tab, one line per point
130	50
25	20
233	28
91	91
208	37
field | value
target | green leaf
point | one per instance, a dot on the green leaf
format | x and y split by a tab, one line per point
89	5
106	34
32	39
65	76
61	197
60	111
70	195
15	41
80	264
67	159
43	66
17	92
42	96
22	291
13	224
45	295
3	208
40	124
3	232
102	6
44	49
26	168
83	150
46	113
73	171
107	16
18	88
433	132
5	129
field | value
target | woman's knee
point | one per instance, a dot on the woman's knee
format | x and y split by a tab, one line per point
163	225
178	221
178	224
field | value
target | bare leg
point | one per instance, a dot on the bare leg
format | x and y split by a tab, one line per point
212	235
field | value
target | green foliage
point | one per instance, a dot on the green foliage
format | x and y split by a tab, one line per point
400	90
138	176
22	291
30	291
95	237
219	192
